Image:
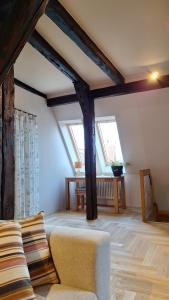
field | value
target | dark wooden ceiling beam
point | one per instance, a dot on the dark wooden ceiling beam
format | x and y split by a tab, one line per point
58	14
17	21
29	88
123	89
41	45
61	100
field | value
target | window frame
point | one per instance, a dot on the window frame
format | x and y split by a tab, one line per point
73	140
101	140
102	167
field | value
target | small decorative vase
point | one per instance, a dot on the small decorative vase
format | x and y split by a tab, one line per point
117	170
77	166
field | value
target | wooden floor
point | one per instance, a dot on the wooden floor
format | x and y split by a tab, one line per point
140	253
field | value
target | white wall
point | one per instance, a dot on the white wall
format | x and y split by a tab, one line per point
54	164
143	124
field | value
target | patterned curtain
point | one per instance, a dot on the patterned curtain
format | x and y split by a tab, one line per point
26	165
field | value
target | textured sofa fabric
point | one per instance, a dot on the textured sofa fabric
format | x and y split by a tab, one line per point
82	259
61	292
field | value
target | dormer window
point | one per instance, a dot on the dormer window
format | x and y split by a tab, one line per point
77	135
107	142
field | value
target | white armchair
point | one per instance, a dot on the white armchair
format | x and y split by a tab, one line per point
82	259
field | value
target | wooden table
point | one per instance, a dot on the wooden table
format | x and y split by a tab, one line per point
114	180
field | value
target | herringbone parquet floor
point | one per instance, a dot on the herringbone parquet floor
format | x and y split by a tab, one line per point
140	253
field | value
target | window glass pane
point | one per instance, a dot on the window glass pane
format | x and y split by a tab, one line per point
110	141
77	134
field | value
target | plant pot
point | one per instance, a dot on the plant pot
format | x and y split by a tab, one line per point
117	170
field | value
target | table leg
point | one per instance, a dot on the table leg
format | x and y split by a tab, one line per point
77	202
67	194
82	201
123	193
115	190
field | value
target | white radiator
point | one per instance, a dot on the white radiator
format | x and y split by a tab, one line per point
104	192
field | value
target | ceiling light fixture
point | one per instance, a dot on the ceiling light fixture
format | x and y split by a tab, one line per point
154	76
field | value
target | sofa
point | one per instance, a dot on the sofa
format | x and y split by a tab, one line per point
82	260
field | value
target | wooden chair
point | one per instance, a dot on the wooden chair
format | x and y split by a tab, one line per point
80	196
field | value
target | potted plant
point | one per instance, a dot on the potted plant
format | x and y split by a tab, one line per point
117	168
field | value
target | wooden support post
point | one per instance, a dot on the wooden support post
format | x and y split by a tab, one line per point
123	192
116	200
87	106
7	149
0	150
17	21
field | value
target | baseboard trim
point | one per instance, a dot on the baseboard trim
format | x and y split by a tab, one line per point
163	213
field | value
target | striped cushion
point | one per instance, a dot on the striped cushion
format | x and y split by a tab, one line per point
39	259
14	276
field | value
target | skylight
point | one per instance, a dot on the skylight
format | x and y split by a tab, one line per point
77	135
109	139
107	143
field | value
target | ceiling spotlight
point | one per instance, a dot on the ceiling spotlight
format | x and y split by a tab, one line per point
154	76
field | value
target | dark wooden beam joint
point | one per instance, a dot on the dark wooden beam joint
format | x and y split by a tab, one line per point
17	21
7	148
58	14
112	91
87	106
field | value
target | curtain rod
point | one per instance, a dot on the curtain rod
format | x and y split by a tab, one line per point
25	112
